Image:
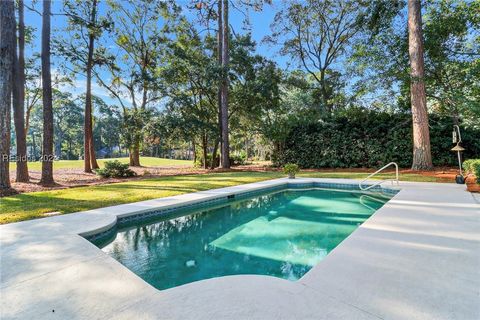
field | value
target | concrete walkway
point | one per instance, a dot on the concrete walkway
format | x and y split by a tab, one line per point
418	257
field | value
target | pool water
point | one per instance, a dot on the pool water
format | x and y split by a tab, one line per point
282	234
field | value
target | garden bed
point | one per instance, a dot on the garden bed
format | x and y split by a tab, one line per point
70	178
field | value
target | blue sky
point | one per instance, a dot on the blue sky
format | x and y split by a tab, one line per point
259	28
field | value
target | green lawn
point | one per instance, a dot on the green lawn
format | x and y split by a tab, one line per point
34	205
78	164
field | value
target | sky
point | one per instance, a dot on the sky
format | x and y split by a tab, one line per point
259	28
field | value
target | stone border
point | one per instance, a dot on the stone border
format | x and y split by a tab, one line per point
417	257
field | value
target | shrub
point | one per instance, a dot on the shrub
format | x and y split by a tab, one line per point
238	159
468	165
476	171
472	166
291	169
198	163
115	169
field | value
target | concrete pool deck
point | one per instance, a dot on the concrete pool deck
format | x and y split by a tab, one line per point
418	257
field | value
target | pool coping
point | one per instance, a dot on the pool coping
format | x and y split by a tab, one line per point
46	266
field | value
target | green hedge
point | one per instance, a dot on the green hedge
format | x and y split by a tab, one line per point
365	138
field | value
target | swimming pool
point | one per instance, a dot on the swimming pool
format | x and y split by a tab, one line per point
281	233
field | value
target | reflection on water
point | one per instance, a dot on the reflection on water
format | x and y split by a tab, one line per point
281	234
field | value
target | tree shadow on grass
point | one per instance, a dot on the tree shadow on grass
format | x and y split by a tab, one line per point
32	206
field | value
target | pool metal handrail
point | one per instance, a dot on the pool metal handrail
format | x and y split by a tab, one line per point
360	185
366	196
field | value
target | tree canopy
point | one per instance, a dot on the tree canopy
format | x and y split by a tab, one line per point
163	78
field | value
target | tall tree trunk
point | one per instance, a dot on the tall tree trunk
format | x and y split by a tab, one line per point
194	151
47	153
19	100
422	158
93	159
225	147
87	124
87	167
88	141
7	56
134	155
324	93
220	64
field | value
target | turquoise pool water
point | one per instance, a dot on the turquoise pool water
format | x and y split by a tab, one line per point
282	234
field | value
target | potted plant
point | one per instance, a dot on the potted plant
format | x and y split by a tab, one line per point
472	167
291	169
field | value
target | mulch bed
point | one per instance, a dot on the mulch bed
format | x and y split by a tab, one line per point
70	178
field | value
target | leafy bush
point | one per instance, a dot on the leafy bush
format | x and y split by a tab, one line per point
238	159
291	169
476	171
367	138
115	169
468	165
198	163
472	166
